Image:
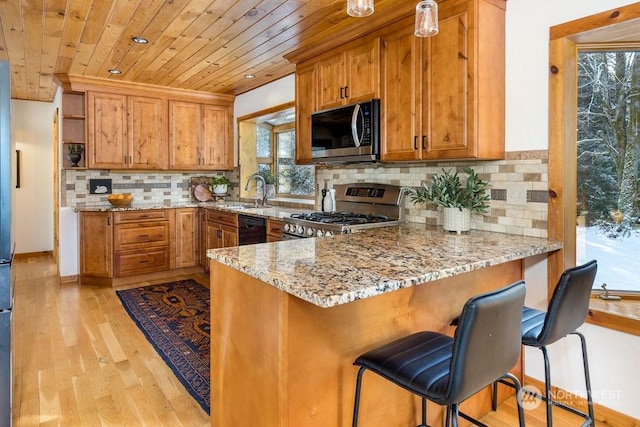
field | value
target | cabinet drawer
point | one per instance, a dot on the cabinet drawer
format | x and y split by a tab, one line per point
274	228
143	215
130	263
141	236
222	217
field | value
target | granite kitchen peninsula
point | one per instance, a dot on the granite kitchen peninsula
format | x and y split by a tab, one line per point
289	318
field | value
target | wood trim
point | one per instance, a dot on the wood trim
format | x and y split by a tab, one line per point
601	413
25	255
267	111
583	26
83	84
562	163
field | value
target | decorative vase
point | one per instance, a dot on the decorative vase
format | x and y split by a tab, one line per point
220	188
457	220
271	190
74	158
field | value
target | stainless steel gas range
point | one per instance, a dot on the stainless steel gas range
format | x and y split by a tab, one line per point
358	206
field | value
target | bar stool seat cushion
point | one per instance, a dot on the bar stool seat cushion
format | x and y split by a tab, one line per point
532	324
406	363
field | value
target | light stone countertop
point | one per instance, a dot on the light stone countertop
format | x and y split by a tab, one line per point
329	271
275	212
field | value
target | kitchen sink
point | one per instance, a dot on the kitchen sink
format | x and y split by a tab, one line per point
236	206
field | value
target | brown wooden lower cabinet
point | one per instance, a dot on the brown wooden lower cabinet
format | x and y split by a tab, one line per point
274	230
124	246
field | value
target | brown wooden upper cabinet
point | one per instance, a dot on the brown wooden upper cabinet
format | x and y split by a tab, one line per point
199	136
443	96
349	76
126	132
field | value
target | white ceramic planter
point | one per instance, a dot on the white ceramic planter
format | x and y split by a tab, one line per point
220	189
457	220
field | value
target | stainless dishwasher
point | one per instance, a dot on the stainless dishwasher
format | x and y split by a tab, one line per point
251	229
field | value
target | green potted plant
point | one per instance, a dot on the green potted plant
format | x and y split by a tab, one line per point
457	199
270	179
74	153
220	184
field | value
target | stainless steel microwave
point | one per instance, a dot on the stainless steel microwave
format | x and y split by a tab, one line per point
346	134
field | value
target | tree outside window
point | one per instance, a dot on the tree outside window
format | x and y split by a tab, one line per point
608	180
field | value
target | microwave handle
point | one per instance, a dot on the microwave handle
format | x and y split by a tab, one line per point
357	139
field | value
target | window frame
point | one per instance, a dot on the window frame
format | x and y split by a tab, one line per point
601	29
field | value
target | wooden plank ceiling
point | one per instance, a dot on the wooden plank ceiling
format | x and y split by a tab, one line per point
206	45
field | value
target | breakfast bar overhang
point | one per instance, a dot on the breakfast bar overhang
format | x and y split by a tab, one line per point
289	318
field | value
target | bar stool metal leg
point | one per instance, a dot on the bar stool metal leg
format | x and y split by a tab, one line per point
587	378
356	405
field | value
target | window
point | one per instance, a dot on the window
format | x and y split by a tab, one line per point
268	146
599	31
608	144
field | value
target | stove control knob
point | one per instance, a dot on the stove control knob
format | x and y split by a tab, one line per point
300	229
286	227
328	233
320	233
310	232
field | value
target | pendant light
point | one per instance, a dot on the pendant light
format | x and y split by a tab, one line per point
359	8
426	18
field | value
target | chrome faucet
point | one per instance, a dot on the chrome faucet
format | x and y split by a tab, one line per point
264	188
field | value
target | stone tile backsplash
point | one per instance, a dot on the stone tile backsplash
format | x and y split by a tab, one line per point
526	171
523	171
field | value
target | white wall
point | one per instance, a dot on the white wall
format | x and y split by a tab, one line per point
615	367
32	133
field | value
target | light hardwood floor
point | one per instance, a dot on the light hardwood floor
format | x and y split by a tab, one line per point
79	360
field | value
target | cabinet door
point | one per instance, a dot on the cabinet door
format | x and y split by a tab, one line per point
214	235
107	131
448	89
306	97
147	133
203	261
229	236
401	71
186	237
217	144
96	244
331	82
363	72
185	135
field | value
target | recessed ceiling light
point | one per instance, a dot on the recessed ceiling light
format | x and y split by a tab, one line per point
249	76
114	71
139	40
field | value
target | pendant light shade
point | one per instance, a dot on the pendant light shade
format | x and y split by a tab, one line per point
426	18
359	8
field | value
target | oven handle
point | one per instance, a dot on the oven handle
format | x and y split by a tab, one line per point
357	139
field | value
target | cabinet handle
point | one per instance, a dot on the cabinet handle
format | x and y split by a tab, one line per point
108	220
130	160
144	235
346	91
415	142
143	261
219	233
341	93
124	159
424	142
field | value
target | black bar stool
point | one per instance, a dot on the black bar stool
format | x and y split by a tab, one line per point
448	370
567	311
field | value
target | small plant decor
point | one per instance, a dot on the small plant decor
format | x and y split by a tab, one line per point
269	176
220	180
448	191
75	149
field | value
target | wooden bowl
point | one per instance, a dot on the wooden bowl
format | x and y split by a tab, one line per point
120	200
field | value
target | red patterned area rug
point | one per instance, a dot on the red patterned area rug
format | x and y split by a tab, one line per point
175	318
